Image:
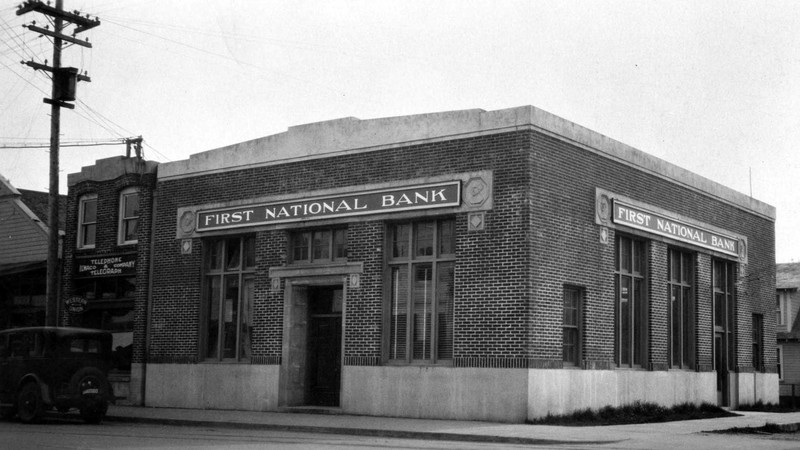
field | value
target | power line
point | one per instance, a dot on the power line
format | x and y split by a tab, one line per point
68	144
242	63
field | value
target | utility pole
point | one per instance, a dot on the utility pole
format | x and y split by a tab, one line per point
64	82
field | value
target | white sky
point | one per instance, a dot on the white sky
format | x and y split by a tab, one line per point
713	87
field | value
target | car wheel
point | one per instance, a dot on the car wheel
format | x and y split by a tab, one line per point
92	388
30	406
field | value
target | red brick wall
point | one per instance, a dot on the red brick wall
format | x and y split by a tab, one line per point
491	296
566	249
509	277
108	203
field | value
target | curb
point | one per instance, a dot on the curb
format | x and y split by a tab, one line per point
398	434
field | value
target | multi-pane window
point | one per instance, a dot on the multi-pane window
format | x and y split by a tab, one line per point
681	309
87	221
724	314
318	246
128	216
631	302
571	349
758	342
422	271
230	265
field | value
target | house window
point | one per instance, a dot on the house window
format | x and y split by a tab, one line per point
230	265
681	309
571	349
631	302
422	275
779	356
318	246
128	216
87	221
782	309
758	341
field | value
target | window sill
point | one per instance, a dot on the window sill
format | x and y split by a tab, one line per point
225	361
418	364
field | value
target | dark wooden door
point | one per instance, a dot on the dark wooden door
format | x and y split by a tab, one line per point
324	345
325	364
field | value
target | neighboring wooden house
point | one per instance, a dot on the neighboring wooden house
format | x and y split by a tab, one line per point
23	255
787	298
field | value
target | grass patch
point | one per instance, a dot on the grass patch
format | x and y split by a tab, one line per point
768	428
782	407
638	412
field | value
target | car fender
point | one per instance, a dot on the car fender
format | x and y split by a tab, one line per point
45	389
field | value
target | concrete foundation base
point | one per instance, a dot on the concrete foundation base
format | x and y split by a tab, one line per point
484	394
757	387
213	386
553	391
497	395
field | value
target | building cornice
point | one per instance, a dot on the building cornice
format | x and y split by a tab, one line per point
352	136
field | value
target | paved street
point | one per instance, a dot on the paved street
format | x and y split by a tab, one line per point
59	433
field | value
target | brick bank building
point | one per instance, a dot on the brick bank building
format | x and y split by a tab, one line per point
486	265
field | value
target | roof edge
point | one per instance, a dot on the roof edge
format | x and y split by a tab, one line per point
352	135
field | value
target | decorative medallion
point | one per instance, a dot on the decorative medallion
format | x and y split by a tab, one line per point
742	249
477	221
186	246
355	281
476	192
604	235
275	284
187	222
603	208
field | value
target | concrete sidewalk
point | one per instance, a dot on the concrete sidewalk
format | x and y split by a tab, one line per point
660	435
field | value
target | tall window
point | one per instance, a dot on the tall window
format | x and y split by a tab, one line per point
318	246
681	309
571	350
758	341
631	303
229	281
779	356
128	216
724	314
422	271
87	221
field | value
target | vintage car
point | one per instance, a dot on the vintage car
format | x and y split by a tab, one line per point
42	368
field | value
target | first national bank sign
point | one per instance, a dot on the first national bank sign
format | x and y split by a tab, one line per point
437	195
645	220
